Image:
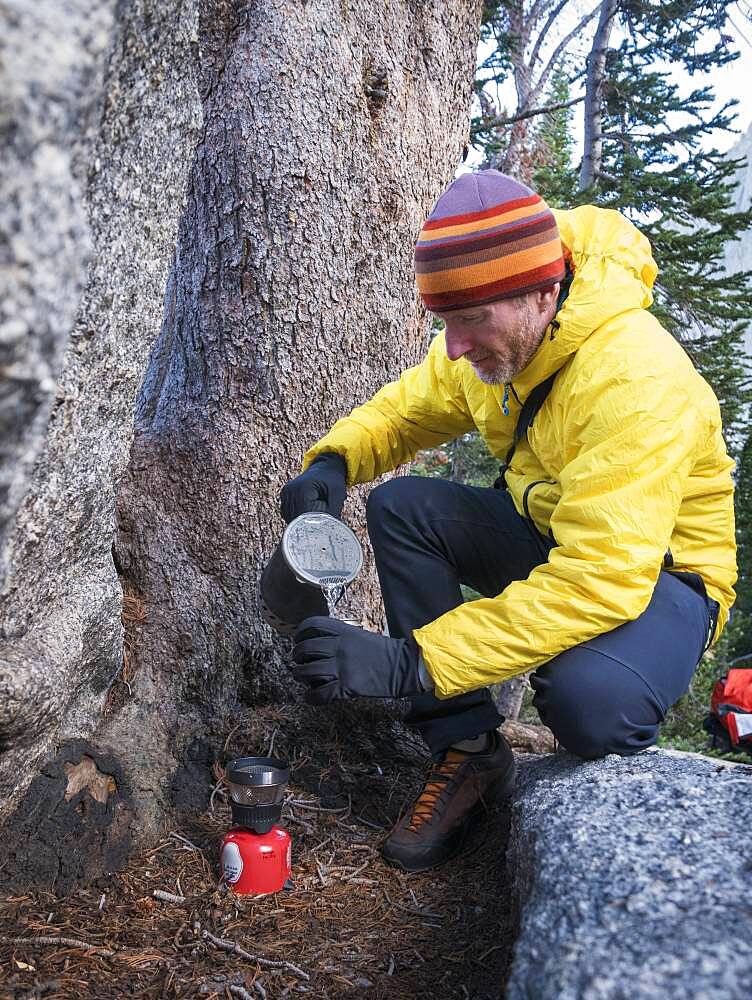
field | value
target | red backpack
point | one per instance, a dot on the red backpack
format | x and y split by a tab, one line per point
730	719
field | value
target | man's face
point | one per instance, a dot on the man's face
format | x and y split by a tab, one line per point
499	339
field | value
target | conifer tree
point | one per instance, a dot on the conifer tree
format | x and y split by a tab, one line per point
525	44
740	630
555	177
656	169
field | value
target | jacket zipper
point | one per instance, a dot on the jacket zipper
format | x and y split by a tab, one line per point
505	401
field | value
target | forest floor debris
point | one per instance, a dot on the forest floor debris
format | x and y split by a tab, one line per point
352	926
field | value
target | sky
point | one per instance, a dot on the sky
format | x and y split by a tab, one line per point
733	80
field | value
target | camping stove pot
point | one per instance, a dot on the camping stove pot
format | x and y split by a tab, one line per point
256	852
316	549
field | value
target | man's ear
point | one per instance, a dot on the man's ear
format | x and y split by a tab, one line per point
546	298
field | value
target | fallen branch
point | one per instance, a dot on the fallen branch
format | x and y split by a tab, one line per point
235	948
71	942
304	804
238	991
367	822
292	818
217	789
178	900
169	897
184	840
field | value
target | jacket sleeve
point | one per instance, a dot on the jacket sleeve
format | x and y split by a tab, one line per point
629	459
424	408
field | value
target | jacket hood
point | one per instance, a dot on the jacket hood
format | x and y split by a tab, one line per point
613	272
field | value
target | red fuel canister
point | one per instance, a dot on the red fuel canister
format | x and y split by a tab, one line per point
256	863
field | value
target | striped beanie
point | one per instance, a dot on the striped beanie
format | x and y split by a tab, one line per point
488	237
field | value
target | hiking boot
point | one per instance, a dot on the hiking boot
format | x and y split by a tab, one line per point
459	789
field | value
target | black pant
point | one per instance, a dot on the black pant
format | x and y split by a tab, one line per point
607	695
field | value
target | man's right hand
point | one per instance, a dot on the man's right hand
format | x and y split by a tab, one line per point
321	487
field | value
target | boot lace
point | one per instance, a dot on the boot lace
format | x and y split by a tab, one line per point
430	799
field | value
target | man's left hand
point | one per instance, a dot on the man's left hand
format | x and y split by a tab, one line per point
337	660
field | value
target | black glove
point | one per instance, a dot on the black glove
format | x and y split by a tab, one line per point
337	660
322	486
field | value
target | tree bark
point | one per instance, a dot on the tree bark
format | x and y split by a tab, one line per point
115	88
596	66
49	100
513	159
310	141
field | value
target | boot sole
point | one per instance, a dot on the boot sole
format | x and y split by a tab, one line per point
500	789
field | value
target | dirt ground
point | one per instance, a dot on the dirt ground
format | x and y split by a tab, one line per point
351	925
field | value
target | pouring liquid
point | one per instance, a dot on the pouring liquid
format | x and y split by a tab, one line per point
333	589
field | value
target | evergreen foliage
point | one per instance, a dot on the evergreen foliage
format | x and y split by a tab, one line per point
656	171
465	460
497	66
556	178
740	628
494	31
655	167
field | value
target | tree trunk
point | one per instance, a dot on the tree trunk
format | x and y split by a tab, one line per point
49	100
596	66
326	131
513	159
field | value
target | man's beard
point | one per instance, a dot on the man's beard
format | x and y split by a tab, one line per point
499	375
526	342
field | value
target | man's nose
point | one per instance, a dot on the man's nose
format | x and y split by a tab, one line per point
457	343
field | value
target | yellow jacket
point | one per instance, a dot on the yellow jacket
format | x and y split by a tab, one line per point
624	461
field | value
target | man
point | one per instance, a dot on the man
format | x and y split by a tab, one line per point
605	555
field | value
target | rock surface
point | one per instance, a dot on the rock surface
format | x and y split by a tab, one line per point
738	253
634	879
